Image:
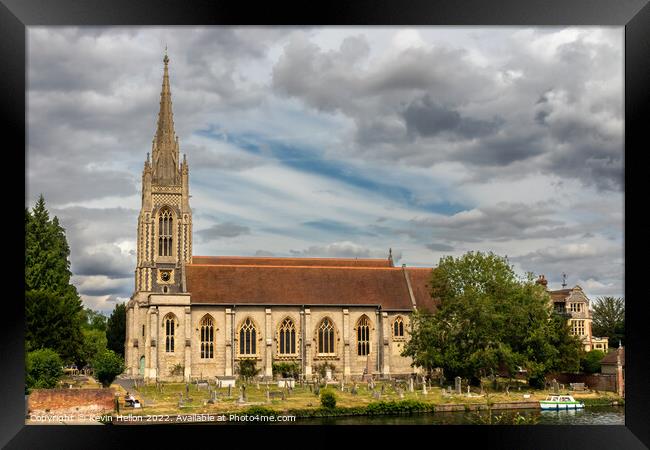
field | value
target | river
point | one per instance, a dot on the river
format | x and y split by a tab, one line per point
601	415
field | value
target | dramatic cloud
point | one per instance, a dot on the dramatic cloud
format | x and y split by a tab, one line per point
338	142
222	230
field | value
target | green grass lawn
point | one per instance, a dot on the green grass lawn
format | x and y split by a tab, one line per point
301	398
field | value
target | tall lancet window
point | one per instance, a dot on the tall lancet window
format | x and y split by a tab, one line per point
165	233
326	337
207	337
170	324
287	338
247	338
363	336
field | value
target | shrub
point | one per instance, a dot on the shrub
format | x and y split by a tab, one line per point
286	369
322	368
328	399
107	365
260	411
247	368
44	369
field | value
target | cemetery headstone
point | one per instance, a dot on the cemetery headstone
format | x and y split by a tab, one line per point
457	381
410	384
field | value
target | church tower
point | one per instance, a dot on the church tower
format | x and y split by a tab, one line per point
165	220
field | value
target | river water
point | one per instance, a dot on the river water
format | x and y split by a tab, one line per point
601	415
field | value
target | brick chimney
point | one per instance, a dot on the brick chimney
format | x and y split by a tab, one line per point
542	280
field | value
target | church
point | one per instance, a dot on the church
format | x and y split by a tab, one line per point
196	317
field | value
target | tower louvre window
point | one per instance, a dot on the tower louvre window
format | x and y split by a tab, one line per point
165	233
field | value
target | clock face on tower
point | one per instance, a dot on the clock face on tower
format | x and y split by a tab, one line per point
165	276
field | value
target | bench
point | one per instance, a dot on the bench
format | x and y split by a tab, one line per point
577	386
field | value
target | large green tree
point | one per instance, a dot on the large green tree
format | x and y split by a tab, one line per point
52	305
609	319
116	329
490	321
93	320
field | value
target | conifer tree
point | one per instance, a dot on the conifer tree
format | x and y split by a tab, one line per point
52	305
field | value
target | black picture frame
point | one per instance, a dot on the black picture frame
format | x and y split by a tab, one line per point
634	15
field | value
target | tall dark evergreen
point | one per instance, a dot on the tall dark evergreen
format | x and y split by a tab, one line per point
52	305
116	329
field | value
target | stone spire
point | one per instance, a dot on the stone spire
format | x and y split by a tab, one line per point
165	143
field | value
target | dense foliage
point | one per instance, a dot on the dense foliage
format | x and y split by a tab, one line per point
93	320
609	319
590	361
288	369
247	368
53	309
328	398
94	343
489	321
43	369
116	329
107	365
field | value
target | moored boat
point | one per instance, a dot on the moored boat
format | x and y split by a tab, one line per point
560	402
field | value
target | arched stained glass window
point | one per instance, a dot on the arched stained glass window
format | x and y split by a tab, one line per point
287	338
326	337
398	327
247	338
207	337
170	329
363	336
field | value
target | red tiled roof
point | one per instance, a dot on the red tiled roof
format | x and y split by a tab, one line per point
292	284
610	358
274	261
420	278
560	295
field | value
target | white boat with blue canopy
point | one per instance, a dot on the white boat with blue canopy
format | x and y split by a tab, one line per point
558	402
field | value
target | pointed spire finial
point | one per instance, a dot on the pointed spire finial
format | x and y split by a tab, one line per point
166	58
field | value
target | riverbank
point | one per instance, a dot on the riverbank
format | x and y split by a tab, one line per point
189	404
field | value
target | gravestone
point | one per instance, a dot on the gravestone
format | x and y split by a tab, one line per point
311	388
242	394
457	381
448	389
229	391
354	390
556	387
180	400
383	388
424	389
410	384
468	390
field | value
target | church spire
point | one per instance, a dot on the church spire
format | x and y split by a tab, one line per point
165	143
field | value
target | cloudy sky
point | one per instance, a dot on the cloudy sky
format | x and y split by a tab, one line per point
338	141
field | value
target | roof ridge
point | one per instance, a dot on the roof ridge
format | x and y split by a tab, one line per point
292	257
296	267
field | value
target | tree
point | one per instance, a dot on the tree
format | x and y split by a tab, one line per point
107	365
489	321
52	305
609	319
93	320
44	369
116	329
94	343
590	361
52	321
